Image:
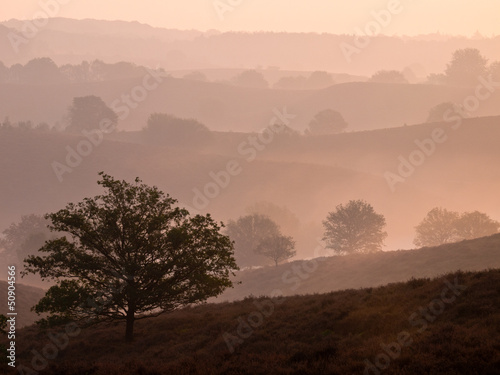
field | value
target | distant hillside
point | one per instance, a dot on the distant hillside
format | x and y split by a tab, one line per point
222	107
448	325
309	175
26	298
322	275
71	41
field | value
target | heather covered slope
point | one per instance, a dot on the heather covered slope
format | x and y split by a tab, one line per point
448	325
322	275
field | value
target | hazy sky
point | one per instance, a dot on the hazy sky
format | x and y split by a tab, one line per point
332	16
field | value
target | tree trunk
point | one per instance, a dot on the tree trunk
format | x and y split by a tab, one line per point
129	331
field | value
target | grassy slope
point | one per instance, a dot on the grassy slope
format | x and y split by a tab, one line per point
366	270
316	334
26	297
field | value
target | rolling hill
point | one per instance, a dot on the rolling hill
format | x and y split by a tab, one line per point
447	325
222	107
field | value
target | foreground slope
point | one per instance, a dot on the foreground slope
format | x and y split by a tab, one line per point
448	325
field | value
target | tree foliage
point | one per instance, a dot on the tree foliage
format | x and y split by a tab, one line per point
130	254
277	247
251	79
354	228
169	130
465	67
89	112
441	226
247	232
327	122
388	76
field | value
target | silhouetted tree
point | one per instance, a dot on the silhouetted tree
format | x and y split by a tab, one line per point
437	113
277	247
466	66
326	122
441	226
130	254
88	112
475	224
169	130
388	76
247	232
495	70
354	228
319	80
282	216
252	79
437	228
41	71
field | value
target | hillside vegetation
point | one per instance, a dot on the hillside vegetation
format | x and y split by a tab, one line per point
447	325
322	275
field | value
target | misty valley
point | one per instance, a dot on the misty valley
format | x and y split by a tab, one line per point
249	199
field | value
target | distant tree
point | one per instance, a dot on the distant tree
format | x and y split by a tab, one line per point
26	237
438	112
88	112
169	130
327	122
354	228
247	232
251	79
282	216
494	70
388	76
466	66
130	254
436	79
277	247
319	80
41	71
437	228
196	76
475	224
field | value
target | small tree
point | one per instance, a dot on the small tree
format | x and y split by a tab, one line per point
354	228
466	66
277	247
251	79
437	228
247	233
326	122
131	254
474	225
388	76
88	113
438	112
